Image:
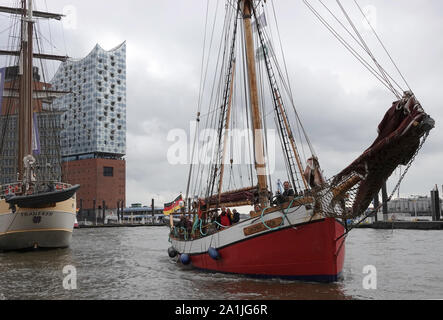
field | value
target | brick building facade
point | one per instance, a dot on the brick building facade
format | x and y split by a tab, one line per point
101	180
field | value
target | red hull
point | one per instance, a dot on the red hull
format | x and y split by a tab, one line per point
308	252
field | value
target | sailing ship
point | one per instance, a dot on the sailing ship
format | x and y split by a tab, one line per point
36	210
298	235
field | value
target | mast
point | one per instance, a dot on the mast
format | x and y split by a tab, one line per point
260	163
26	87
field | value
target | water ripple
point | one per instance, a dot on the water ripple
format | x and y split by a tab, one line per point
133	263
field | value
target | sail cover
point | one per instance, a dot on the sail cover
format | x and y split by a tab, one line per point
398	141
243	196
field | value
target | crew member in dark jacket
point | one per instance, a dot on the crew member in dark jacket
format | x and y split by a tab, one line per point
286	195
289	192
236	216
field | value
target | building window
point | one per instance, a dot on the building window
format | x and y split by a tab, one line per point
108	171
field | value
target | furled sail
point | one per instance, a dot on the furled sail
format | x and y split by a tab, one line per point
246	196
399	140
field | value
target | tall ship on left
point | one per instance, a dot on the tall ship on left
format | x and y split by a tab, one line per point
37	210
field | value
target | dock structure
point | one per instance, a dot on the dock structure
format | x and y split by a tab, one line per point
122	225
404	225
435	205
135	216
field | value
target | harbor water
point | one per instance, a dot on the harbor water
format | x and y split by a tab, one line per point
132	263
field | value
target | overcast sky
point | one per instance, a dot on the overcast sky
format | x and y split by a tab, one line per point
340	102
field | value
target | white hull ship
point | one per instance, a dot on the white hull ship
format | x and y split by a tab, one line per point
28	228
34	213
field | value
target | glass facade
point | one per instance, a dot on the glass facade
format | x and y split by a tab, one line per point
94	113
48	159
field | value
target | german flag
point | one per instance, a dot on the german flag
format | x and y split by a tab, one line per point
174	206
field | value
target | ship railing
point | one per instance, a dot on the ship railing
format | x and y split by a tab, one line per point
11	189
18	189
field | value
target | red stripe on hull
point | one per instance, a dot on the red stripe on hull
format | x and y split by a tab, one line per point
307	251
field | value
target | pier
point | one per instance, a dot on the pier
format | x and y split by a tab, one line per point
426	213
404	225
121	225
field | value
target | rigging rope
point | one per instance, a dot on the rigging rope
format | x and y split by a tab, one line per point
198	181
382	44
350	49
363	42
287	87
397	187
356	40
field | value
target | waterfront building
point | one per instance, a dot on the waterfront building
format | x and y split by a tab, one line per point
415	206
93	136
139	214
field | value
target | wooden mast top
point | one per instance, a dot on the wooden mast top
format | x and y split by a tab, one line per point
260	161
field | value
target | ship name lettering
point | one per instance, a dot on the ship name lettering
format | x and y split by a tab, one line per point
37	214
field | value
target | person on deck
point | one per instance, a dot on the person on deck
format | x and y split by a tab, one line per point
257	210
188	225
224	219
229	212
181	225
182	222
288	193
236	216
